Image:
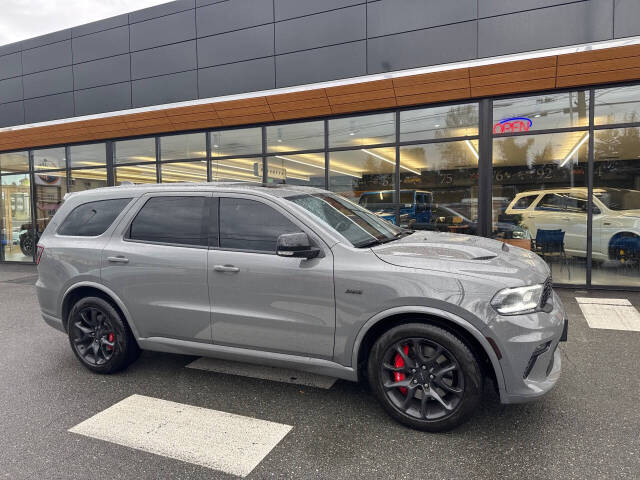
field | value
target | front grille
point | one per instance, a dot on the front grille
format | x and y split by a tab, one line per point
546	292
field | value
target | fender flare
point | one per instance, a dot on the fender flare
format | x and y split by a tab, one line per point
434	312
107	291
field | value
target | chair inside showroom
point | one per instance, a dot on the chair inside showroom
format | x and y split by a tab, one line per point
549	244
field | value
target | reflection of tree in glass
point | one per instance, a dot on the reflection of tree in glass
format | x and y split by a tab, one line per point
617	144
456	121
515	152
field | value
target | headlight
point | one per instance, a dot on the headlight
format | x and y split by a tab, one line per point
519	300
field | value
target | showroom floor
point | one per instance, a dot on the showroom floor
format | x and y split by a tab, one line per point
173	416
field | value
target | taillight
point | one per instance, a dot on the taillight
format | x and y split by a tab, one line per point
39	254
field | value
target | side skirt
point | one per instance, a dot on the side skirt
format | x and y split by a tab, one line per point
305	364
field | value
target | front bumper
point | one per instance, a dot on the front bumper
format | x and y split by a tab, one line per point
531	362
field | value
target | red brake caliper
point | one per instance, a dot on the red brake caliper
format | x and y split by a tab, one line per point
111	337
399	362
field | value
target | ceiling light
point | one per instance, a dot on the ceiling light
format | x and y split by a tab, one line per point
575	149
472	148
316	166
388	161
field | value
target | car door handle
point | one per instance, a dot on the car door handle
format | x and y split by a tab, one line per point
226	268
118	259
606	223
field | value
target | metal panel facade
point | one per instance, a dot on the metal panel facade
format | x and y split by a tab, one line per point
249	45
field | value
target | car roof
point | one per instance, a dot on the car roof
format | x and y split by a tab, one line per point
267	190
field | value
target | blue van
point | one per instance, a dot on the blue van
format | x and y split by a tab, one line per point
415	205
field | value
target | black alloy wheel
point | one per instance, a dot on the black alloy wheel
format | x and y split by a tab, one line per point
99	337
425	377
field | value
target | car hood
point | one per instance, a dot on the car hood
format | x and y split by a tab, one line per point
627	213
467	255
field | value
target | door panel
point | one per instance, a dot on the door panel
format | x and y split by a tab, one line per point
263	301
164	286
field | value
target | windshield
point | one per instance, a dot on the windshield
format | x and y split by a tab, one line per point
361	227
620	199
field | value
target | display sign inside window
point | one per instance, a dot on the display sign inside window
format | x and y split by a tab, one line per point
273	172
513	125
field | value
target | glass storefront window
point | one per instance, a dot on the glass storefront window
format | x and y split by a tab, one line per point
15	219
135	151
91	155
50	189
617	105
540	198
364	130
184	171
541	112
183	147
295	136
14	162
242	141
237	170
616	207
439	122
87	179
365	177
137	174
439	186
304	169
50	159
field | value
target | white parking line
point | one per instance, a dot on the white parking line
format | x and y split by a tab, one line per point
610	313
263	372
222	441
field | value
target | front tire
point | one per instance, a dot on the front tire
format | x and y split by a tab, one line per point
425	377
99	337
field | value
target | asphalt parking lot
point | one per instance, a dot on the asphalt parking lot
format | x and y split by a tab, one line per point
588	427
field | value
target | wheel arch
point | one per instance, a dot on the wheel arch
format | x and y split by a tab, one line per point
470	335
84	289
614	242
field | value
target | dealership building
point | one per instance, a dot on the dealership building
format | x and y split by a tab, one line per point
517	120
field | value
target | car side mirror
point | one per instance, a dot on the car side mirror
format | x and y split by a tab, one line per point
296	245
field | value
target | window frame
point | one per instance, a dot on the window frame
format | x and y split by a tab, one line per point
144	199
314	239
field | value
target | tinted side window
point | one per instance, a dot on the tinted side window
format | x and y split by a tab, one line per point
179	220
524	202
251	225
93	218
576	205
552	202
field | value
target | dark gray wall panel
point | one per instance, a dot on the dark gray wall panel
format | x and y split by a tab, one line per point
47	57
10	66
322	29
100	25
627	18
48	108
11	90
450	43
546	28
233	15
164	30
489	8
165	89
108	98
102	72
11	114
202	3
101	44
238	77
297	8
161	10
46	39
235	46
328	63
48	83
394	16
163	60
10	48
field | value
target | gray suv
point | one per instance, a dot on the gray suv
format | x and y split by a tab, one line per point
302	278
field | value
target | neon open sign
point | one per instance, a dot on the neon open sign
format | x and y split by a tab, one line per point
513	125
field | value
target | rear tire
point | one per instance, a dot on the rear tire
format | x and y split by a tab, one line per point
99	337
425	377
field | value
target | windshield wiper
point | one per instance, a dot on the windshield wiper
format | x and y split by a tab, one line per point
370	243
